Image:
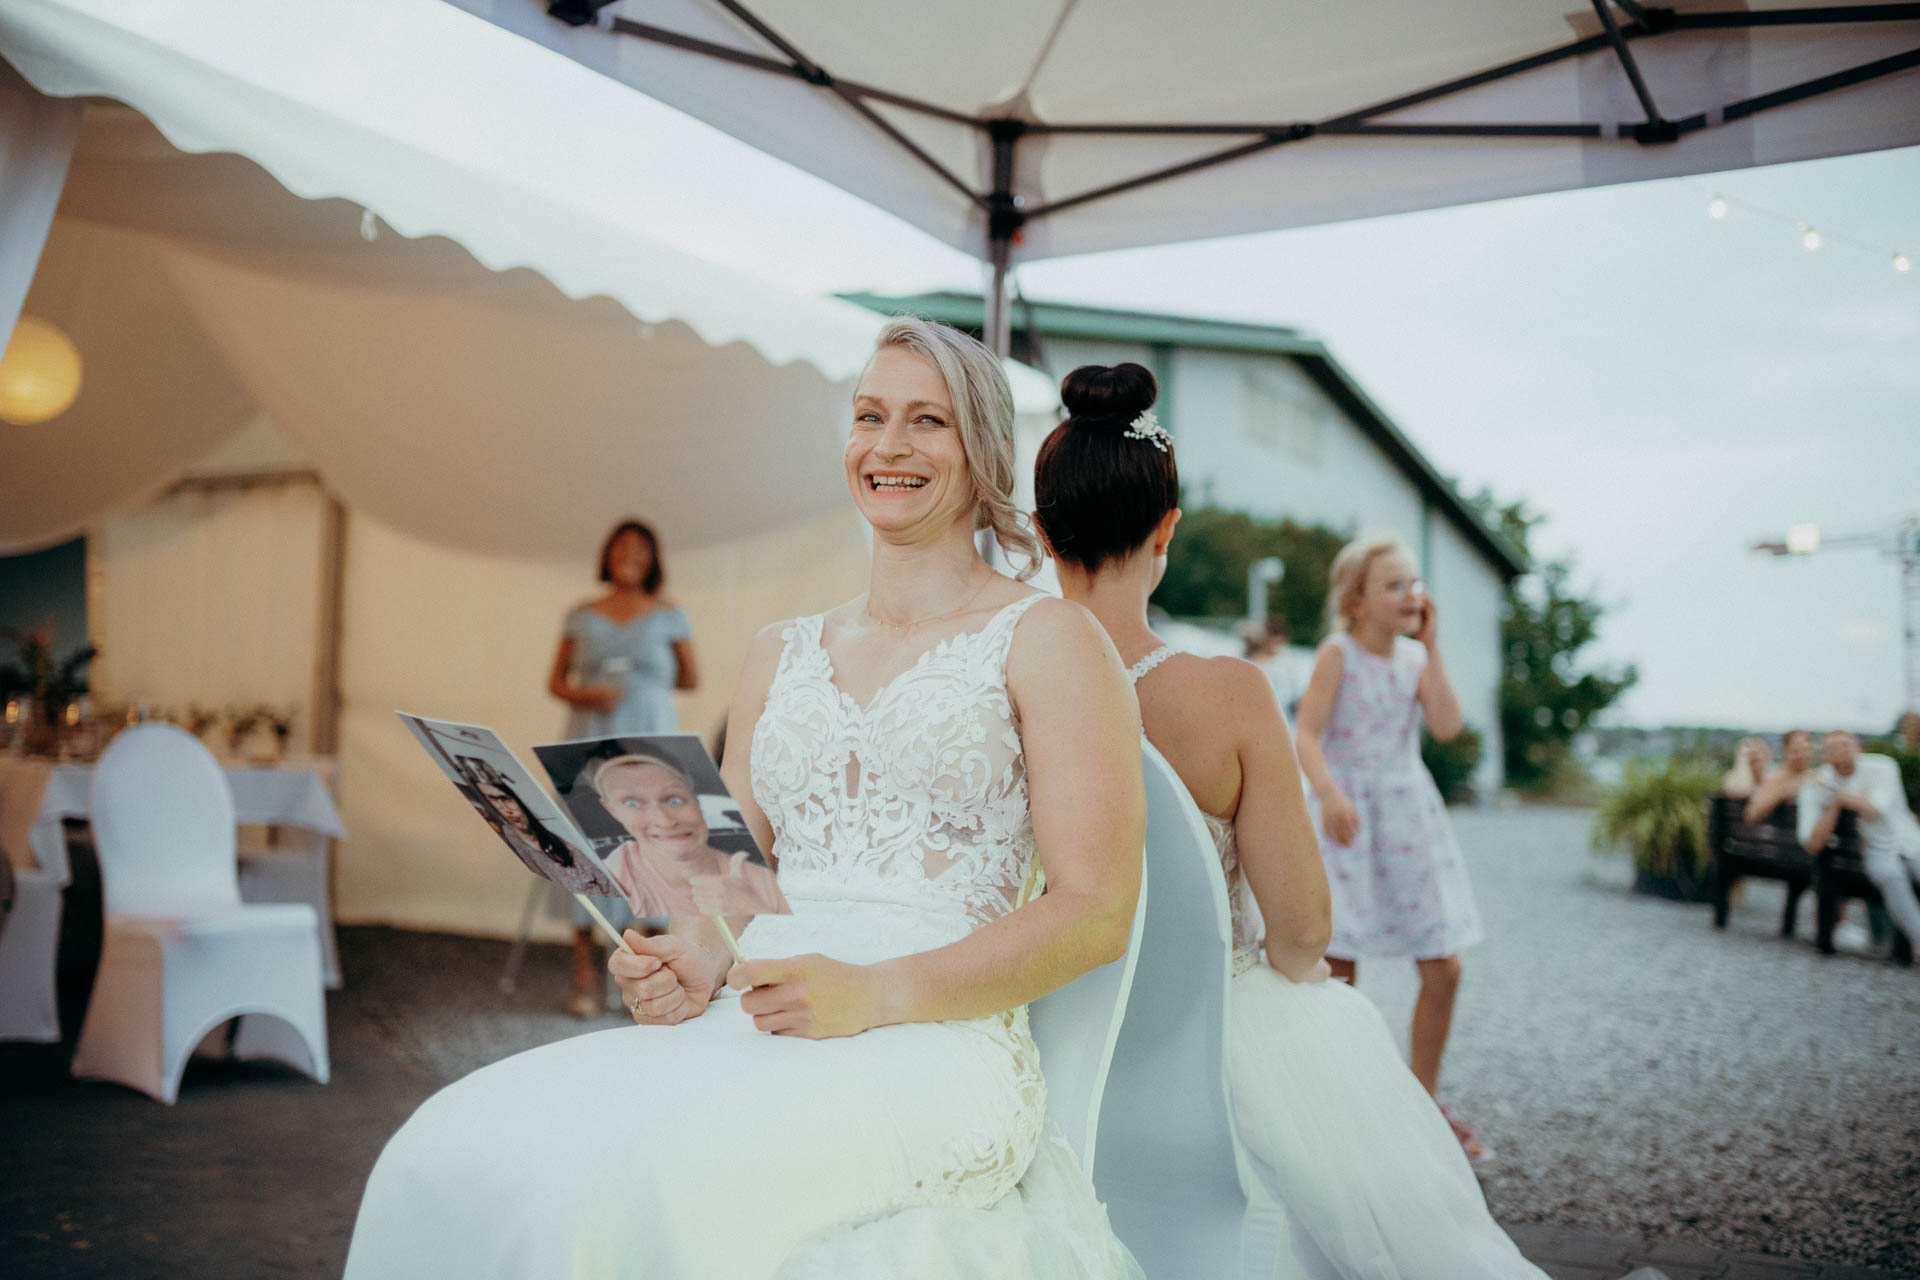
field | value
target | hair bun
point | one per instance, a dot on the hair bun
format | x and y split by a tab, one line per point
1119	393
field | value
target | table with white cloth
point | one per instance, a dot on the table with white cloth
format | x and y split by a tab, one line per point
293	799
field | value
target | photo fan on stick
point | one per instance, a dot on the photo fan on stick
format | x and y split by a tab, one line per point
541	831
664	824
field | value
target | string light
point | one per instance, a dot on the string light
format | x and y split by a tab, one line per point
1811	239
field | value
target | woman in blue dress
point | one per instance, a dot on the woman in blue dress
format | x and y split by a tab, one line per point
620	660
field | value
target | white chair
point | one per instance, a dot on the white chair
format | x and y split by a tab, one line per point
1167	1165
1076	1029
182	953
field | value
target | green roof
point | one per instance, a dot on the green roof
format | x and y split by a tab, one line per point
1059	320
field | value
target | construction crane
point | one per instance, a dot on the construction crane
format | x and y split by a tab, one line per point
1901	542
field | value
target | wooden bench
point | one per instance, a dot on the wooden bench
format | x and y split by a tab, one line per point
1769	849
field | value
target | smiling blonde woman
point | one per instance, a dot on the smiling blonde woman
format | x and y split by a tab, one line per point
870	1101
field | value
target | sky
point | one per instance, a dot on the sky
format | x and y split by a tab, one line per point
1665	388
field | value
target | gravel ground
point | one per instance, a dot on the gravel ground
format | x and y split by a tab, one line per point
1639	1073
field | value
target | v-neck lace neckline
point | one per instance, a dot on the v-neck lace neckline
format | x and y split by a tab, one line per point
831	673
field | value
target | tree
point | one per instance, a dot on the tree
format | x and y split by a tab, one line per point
1208	562
1545	698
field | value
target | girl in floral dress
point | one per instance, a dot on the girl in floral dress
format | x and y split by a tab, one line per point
1398	884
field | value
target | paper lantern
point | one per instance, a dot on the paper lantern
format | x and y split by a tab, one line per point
39	374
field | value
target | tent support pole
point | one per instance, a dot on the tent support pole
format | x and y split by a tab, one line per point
997	328
1005	217
325	734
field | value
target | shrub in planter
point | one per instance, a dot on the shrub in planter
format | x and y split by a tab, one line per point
1658	813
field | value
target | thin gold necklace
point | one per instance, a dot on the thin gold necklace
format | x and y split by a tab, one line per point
903	627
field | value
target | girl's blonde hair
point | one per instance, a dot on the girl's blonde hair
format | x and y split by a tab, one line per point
1349	573
983	402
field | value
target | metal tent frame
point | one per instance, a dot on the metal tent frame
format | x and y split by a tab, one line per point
1006	214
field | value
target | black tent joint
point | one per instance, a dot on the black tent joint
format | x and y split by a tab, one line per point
577	13
1005	217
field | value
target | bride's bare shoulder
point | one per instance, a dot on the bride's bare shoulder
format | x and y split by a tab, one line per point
1057	642
1225	690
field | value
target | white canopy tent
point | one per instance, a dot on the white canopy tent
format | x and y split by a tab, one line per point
359	401
386	359
1021	130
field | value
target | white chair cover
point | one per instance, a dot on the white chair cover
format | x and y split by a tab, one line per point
182	953
1076	1028
1167	1166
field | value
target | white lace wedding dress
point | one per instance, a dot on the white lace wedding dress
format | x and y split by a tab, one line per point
711	1149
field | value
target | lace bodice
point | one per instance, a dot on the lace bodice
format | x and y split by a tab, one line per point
919	798
901	826
1249	928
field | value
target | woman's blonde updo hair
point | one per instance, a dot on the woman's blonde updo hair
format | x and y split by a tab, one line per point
1349	574
983	402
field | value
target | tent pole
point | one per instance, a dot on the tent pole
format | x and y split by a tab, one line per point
997	328
1005	217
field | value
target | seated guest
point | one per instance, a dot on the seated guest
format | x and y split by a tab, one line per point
1889	834
1784	783
1751	760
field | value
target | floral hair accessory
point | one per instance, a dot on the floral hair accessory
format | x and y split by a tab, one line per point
1147	427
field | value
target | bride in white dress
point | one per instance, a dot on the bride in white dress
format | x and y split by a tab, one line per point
1362	1175
861	1096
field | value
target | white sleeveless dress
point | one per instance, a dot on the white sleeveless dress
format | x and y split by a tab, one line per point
1360	1176
918	1149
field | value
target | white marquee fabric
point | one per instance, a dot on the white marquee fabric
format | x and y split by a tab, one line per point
481	409
1065	62
388	104
504	409
36	140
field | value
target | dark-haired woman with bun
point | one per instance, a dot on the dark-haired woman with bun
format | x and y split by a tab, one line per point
621	658
1363	1173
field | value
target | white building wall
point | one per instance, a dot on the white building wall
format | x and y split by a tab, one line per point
1469	595
1256	435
